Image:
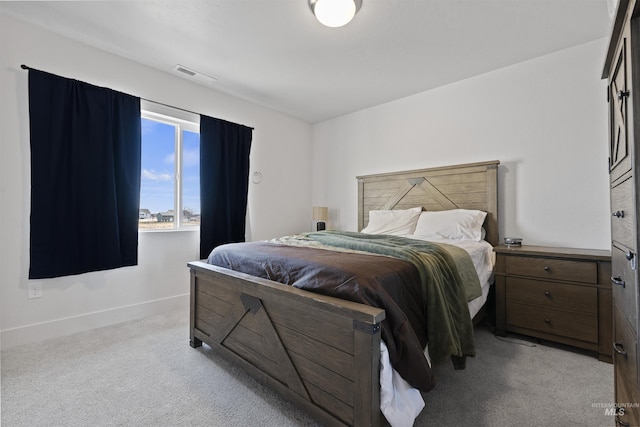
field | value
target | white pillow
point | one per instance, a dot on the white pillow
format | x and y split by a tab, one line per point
398	222
461	224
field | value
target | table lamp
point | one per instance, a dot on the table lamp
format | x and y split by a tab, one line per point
320	214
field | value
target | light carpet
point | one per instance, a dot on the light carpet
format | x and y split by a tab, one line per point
144	373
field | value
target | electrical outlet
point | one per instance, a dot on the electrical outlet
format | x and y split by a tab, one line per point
35	289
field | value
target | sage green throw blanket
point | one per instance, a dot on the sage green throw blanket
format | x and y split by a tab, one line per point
448	282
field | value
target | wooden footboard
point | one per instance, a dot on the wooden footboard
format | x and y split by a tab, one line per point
320	352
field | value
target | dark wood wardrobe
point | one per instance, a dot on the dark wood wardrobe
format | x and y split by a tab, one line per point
622	70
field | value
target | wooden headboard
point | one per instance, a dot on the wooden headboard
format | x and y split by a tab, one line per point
467	186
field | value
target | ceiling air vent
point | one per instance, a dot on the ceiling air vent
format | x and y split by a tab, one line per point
194	75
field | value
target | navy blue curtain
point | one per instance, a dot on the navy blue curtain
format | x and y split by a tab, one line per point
224	182
85	176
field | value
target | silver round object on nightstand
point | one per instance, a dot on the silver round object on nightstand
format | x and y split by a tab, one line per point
513	241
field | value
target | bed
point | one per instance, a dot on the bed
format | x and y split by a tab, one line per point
322	352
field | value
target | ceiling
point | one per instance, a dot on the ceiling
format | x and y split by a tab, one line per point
274	53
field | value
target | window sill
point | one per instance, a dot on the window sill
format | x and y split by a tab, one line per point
169	230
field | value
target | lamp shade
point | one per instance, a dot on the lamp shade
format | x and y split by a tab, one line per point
334	13
320	213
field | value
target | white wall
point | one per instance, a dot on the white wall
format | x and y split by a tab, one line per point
281	204
544	119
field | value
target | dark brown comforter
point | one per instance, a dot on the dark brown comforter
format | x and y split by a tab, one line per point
380	281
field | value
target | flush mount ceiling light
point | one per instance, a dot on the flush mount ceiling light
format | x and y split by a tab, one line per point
334	13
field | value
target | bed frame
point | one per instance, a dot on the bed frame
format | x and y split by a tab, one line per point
323	353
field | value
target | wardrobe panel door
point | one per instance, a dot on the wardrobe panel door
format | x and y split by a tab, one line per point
619	152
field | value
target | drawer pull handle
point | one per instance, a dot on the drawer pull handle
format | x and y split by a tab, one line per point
547	268
618	214
618	281
620	350
631	257
547	294
547	321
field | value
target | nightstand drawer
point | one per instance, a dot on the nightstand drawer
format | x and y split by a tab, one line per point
569	301
550	268
574	325
553	295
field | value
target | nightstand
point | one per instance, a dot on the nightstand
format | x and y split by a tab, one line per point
556	294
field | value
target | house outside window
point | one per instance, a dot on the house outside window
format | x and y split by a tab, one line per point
170	184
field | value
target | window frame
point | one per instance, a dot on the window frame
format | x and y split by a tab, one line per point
182	120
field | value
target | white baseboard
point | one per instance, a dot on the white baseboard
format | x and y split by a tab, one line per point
62	327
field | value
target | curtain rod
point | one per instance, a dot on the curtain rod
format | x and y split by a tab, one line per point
26	67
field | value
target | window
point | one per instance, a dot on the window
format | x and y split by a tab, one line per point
170	184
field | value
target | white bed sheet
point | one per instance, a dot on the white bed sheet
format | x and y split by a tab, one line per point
399	402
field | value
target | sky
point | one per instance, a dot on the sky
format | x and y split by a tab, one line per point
158	168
